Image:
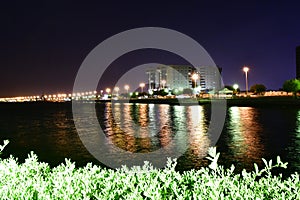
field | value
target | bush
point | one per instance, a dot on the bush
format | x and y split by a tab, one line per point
36	180
292	85
258	89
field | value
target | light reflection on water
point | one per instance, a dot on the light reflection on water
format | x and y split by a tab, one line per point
294	147
141	128
249	133
244	130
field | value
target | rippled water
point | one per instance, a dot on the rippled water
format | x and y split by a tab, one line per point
248	135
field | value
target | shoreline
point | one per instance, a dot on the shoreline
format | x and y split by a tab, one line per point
237	101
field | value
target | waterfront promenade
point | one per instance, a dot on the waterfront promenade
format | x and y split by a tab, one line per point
235	101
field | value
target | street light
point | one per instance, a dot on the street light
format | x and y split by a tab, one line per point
107	90
142	85
195	76
126	87
246	69
235	86
117	90
163	82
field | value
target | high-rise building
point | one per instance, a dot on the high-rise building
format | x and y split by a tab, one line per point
298	62
180	76
152	78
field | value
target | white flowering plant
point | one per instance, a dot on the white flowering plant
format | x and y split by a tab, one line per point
37	180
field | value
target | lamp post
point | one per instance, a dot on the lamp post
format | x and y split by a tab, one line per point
126	87
246	69
195	76
142	85
235	87
117	90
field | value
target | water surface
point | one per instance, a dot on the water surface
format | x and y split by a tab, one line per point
249	133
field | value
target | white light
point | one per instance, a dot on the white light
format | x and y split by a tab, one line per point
117	89
235	86
195	76
126	87
142	85
246	69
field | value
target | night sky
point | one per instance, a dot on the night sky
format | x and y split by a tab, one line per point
44	44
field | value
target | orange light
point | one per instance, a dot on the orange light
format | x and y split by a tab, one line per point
195	76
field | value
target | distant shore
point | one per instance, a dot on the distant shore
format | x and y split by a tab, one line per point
236	101
264	101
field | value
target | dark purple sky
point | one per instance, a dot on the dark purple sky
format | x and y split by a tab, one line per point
43	44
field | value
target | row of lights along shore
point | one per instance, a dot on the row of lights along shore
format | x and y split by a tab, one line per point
92	95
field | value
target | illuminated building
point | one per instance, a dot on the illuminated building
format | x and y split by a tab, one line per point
180	76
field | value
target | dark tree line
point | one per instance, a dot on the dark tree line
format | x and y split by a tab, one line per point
292	85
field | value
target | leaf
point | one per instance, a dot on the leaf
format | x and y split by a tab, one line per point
213	165
217	157
265	162
232	168
6	142
278	160
212	151
209	158
285	165
256	169
4	145
270	163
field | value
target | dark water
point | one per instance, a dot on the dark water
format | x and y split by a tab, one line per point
248	135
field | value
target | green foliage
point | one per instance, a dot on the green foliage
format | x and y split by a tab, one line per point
292	85
177	91
160	92
36	180
229	87
3	146
258	89
137	94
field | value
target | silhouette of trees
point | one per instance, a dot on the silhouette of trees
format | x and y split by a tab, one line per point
258	89
160	92
292	85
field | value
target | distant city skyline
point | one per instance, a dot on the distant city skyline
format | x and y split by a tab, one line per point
43	44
